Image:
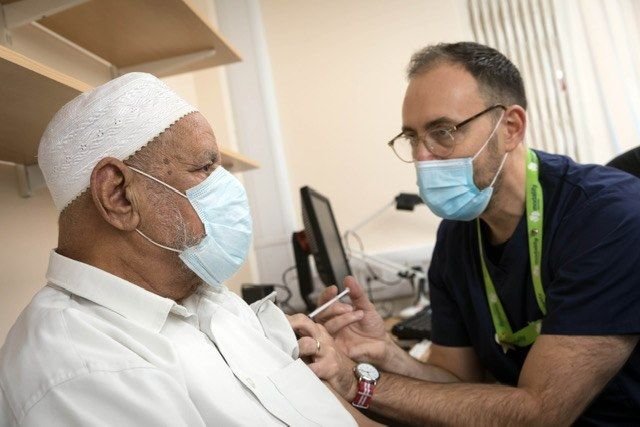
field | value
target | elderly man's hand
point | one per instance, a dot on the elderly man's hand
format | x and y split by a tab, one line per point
318	348
358	330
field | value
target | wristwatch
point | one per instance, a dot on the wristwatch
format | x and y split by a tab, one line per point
367	376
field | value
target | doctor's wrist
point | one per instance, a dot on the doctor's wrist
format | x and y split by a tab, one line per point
395	359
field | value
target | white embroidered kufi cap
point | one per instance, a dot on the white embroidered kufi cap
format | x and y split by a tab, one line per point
113	120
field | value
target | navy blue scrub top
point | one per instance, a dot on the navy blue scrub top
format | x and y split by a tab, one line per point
590	274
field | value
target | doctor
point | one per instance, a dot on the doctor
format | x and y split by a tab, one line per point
534	279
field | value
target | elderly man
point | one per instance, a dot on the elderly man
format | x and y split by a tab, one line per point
134	326
535	275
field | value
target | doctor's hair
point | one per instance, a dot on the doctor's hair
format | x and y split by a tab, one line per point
498	78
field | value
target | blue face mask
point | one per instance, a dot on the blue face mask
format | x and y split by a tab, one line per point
221	204
448	189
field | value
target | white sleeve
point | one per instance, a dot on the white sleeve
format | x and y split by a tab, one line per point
275	325
133	397
6	414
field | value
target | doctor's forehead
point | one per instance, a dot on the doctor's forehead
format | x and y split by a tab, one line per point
445	90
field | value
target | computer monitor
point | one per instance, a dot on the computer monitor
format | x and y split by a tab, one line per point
321	239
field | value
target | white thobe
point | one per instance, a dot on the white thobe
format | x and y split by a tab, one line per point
94	349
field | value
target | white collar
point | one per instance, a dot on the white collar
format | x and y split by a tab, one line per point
103	288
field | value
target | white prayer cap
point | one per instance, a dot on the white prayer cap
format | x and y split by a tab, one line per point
113	120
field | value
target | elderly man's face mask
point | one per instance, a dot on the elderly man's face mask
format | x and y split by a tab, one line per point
221	204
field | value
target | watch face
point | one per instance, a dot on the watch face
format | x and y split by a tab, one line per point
367	372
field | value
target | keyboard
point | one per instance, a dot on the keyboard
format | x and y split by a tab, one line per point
416	327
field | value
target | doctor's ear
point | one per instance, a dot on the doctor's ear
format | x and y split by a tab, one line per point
113	194
515	124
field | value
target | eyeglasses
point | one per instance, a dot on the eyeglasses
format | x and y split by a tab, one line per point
440	140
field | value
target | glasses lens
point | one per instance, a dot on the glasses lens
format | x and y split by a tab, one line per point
403	148
440	142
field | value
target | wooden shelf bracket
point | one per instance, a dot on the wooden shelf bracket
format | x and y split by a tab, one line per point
26	11
165	66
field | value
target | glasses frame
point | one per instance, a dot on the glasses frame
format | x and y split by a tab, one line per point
451	130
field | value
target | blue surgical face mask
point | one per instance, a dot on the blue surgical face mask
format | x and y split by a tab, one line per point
448	189
221	204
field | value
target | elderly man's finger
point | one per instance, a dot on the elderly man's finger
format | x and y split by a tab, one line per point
323	369
337	323
327	294
307	346
302	325
333	310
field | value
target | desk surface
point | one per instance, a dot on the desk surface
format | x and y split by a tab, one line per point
412	346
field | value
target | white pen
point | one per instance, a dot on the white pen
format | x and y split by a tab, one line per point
326	305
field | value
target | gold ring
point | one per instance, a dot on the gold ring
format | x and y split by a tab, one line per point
317	346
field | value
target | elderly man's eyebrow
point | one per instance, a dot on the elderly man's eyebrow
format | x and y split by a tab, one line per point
213	156
208	156
200	159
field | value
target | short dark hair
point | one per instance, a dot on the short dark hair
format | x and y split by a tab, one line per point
499	79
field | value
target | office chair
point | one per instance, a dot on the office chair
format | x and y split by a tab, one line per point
628	161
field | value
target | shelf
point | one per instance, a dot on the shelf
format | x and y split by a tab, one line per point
236	162
132	33
31	94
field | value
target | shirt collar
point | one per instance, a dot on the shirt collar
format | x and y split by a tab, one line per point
103	288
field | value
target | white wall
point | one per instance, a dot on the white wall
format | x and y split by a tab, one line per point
338	69
29	230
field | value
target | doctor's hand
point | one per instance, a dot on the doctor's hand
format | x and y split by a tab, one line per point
358	329
319	351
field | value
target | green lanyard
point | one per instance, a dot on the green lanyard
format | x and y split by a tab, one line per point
534	211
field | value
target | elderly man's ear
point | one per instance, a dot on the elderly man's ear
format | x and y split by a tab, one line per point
113	194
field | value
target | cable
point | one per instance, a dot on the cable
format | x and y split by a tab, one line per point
284	277
346	240
370	269
384	281
285	286
369	290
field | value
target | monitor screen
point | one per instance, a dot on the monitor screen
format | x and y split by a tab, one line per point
324	238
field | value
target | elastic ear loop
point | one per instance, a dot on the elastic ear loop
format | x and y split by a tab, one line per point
158	181
156	243
490	136
504	158
169	187
499	169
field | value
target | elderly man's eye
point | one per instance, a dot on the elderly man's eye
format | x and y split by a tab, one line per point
208	167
